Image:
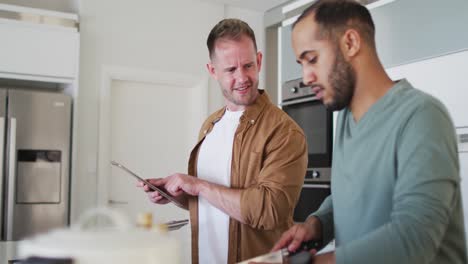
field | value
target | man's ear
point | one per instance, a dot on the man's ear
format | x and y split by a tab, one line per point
259	60
211	70
350	43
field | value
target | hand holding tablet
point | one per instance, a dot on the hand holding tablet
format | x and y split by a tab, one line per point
151	186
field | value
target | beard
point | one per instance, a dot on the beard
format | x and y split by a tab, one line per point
342	80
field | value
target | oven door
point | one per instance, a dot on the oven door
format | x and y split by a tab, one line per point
312	196
317	123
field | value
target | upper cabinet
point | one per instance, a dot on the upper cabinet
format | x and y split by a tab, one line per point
410	31
38	45
290	69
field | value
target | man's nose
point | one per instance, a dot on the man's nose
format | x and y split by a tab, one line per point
308	77
242	76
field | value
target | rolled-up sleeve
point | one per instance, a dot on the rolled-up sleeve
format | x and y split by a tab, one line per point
269	203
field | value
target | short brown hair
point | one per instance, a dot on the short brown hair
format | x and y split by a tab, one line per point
336	16
229	28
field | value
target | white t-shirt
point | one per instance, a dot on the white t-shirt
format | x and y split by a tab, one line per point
214	165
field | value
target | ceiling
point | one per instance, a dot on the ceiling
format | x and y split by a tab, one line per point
264	5
258	5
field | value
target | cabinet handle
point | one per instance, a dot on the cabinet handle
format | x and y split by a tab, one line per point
463	138
321	186
298	101
116	202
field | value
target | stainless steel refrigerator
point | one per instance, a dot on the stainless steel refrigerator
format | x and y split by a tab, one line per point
35	130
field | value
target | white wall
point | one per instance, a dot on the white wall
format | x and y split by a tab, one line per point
167	36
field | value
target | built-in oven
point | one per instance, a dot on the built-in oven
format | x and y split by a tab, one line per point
301	104
312	196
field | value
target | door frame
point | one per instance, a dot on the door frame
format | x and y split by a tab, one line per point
112	73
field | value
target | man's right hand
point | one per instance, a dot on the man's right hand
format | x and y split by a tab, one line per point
153	196
311	229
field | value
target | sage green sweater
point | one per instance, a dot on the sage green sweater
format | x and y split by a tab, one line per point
395	184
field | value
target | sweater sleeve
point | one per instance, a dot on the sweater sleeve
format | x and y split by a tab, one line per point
425	195
325	215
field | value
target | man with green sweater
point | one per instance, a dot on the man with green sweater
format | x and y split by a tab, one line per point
395	176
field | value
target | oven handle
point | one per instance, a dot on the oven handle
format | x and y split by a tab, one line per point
323	186
298	101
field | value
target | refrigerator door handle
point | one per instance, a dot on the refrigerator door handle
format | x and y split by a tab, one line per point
11	179
2	137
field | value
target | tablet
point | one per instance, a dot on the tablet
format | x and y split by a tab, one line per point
151	186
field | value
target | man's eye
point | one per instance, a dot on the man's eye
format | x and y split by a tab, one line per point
312	60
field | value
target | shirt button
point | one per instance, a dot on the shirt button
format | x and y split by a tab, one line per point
252	121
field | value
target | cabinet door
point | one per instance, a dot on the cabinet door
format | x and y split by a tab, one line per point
290	70
39	51
444	78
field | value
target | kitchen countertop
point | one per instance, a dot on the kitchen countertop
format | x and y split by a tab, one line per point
8	251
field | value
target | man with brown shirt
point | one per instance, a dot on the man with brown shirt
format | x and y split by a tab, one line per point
246	171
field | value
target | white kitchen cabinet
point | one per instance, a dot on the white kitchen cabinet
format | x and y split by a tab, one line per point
443	77
8	252
38	45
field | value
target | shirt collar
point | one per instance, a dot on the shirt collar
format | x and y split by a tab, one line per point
251	112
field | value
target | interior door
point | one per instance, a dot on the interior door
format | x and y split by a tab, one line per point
153	128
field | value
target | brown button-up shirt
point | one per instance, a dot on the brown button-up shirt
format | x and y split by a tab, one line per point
269	160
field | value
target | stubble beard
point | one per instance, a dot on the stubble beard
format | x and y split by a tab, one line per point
342	79
247	99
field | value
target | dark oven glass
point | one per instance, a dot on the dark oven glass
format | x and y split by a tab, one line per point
300	103
312	196
317	123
